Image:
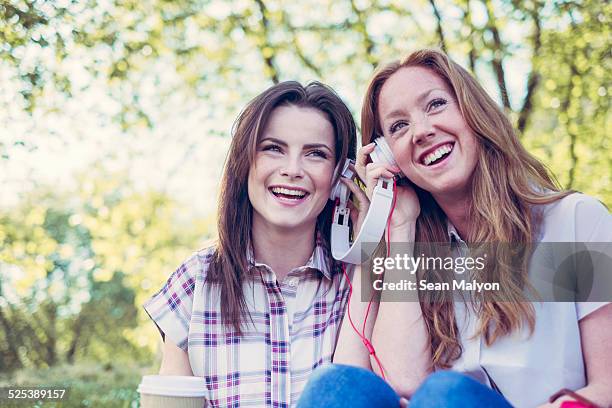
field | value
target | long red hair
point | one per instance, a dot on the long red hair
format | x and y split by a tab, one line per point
507	182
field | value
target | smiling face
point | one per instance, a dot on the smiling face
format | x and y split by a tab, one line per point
290	180
430	140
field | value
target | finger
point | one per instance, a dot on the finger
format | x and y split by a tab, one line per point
354	213
351	185
360	196
356	176
392	168
354	170
373	177
376	172
363	153
362	159
357	212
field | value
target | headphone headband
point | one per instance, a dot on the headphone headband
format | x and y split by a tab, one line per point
374	224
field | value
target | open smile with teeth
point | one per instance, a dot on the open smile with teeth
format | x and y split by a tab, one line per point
288	193
438	155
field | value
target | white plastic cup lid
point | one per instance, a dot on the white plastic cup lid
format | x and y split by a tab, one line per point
173	385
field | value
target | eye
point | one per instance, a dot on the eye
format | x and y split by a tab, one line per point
317	153
436	103
397	126
271	148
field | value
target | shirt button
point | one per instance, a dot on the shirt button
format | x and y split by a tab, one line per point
292	282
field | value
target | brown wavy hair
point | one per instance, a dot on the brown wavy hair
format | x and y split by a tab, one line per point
507	182
229	266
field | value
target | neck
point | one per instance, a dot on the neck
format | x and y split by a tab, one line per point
456	209
282	249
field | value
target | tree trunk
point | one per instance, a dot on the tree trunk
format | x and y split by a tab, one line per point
12	361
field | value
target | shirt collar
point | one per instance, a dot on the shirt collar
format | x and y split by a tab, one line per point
453	235
320	259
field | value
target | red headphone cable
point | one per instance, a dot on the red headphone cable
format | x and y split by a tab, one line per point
366	342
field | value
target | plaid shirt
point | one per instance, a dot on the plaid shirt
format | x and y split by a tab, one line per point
295	328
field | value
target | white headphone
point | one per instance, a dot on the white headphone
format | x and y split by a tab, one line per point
373	226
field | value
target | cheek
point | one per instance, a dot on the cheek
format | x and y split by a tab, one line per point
323	179
255	181
471	149
402	153
260	170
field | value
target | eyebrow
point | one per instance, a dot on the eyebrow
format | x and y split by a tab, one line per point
420	98
305	147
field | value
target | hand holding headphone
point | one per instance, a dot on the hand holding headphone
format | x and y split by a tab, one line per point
373	226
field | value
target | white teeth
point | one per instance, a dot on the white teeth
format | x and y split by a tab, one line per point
436	154
286	191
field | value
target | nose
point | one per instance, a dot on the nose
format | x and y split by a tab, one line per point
292	168
422	129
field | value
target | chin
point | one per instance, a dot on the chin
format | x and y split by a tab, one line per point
288	223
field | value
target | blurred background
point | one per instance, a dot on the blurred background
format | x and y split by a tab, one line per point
115	118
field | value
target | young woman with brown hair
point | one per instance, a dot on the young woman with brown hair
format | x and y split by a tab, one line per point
257	312
471	182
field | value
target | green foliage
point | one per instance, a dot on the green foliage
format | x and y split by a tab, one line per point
27	25
87	385
76	264
572	111
75	267
245	45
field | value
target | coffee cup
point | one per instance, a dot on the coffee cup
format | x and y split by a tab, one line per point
172	391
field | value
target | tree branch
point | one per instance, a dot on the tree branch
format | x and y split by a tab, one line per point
268	57
532	83
50	344
498	49
330	28
404	12
467	21
76	338
305	60
363	30
13	361
298	49
439	25
565	107
534	76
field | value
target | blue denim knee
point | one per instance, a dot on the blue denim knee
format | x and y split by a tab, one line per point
451	389
342	386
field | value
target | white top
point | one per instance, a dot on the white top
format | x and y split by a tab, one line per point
529	369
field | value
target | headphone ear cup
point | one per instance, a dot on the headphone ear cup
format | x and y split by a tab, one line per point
382	152
336	190
339	189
